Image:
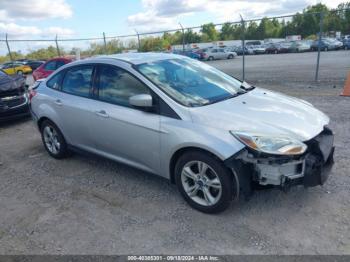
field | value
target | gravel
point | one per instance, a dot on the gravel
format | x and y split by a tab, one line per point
89	205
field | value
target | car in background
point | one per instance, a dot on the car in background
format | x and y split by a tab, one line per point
239	50
257	49
272	48
299	46
346	43
326	44
14	102
16	67
34	64
188	53
49	67
218	53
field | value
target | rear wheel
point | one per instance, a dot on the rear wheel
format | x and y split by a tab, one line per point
204	182
53	140
326	49
230	57
20	72
211	58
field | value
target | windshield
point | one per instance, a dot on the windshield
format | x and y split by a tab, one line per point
190	82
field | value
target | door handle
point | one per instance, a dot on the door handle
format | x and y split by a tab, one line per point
58	102
102	113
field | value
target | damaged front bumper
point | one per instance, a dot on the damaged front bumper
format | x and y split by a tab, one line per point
310	169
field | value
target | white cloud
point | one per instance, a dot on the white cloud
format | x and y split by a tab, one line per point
16	31
11	10
165	14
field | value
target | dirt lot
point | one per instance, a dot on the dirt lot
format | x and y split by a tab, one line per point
86	205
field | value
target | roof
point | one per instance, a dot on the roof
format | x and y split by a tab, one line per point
140	58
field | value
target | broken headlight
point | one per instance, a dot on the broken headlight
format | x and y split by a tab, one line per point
270	144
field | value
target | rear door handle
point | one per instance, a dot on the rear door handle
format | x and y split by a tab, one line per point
102	113
58	102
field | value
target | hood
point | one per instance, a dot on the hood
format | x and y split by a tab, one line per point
263	111
8	83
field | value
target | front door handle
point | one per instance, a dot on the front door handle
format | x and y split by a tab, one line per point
102	113
58	102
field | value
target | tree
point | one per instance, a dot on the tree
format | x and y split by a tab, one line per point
209	32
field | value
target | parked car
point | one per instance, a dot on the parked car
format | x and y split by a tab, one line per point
346	44
325	45
257	49
299	46
218	53
49	67
34	64
212	135
13	97
188	53
239	50
13	68
272	48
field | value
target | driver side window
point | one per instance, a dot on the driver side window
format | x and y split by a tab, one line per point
116	85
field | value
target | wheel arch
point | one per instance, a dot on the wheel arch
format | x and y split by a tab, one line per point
176	155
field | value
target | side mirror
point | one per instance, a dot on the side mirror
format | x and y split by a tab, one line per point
143	100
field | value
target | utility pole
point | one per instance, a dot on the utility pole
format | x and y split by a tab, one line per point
183	37
57	48
243	47
8	48
138	41
319	46
104	41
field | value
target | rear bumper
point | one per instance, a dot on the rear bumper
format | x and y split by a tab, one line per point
310	169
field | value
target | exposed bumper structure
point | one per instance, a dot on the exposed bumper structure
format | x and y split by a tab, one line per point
310	169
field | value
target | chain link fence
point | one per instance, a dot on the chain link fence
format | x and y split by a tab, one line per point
301	32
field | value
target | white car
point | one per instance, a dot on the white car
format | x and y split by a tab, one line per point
218	53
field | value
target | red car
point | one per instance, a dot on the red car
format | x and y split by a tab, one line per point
49	66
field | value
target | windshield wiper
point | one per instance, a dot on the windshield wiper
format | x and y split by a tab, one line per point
241	92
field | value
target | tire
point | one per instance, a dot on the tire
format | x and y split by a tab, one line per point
326	49
346	48
230	57
55	144
19	72
210	58
207	196
276	52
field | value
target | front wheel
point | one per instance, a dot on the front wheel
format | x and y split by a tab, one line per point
230	57
204	182
19	72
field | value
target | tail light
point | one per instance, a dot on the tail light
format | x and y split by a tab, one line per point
32	93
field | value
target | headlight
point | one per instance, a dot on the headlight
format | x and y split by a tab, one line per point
279	145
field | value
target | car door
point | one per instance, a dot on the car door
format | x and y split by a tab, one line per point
122	132
222	54
70	98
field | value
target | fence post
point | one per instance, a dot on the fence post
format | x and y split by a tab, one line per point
243	47
8	48
183	37
319	46
104	41
57	48
138	41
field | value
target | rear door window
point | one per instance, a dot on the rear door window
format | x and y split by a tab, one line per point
50	66
78	80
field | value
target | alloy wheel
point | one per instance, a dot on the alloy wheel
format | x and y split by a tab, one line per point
201	183
51	140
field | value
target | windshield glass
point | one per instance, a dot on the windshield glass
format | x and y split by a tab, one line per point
190	82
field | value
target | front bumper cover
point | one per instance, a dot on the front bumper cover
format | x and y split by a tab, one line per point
310	169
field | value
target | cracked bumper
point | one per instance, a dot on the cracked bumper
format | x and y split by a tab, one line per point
310	169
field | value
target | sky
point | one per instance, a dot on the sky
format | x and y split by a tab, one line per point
44	19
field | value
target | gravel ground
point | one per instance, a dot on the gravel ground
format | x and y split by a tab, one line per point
86	205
